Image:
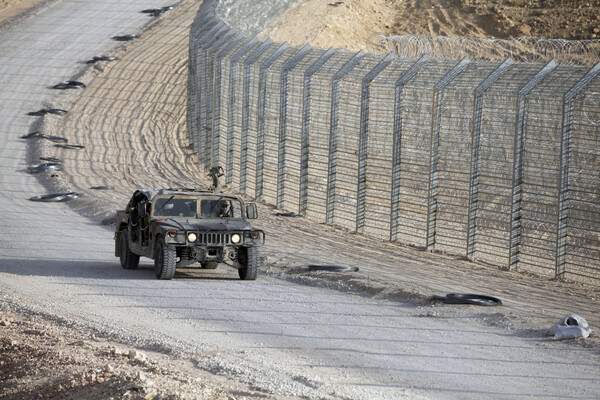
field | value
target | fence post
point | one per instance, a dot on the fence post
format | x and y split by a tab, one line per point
438	97
281	156
397	142
305	142
193	76
231	112
517	191
216	126
333	132
205	92
361	186
475	161
565	152
246	109
260	131
212	81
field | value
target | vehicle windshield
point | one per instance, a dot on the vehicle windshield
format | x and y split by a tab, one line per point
197	207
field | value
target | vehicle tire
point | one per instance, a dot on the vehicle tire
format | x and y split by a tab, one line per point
165	260
128	259
250	262
209	265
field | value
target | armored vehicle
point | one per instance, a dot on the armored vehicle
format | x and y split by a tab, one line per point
181	227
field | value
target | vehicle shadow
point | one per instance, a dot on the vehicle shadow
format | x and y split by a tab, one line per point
104	270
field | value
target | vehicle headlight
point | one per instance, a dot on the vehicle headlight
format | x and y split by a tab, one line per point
172	233
235	238
192	237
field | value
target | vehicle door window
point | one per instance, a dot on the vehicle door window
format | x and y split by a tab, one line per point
174	207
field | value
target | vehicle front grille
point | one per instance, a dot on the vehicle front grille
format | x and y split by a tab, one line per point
215	239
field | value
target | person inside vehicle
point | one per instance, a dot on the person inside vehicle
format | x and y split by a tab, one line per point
224	212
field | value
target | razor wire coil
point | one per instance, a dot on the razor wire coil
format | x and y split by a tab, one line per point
525	49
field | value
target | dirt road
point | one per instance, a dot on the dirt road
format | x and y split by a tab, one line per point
291	333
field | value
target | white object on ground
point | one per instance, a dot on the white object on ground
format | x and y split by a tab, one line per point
572	326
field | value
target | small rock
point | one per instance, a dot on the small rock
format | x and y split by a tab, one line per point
596	30
150	395
118	352
136	355
147	384
4	321
525	29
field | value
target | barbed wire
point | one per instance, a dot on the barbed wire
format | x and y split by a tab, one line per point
525	49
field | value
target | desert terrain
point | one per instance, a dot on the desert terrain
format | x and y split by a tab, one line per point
50	353
351	25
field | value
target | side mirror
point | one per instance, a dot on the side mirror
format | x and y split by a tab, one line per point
251	211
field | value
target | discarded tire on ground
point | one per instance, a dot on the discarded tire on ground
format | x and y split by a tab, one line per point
102	188
333	268
69	85
40	135
469	298
53	160
44	111
56	197
34	169
95	59
125	38
287	214
70	146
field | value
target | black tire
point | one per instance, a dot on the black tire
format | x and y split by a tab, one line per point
165	260
469	298
250	261
333	268
209	265
128	259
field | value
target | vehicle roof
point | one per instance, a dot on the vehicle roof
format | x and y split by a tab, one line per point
152	193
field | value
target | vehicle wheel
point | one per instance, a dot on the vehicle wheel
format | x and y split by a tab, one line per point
250	262
165	260
128	259
209	265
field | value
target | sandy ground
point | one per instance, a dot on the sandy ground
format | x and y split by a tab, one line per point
352	24
144	92
9	9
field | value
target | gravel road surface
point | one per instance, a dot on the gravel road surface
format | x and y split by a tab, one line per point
289	334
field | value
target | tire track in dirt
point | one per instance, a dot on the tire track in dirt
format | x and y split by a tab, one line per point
131	118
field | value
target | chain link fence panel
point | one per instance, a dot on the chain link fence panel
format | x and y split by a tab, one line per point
496	161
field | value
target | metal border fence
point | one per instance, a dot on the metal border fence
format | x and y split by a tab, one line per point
497	161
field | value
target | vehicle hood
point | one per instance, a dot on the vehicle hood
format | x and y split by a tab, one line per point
218	224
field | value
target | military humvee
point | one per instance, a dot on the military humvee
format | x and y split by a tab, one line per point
180	227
